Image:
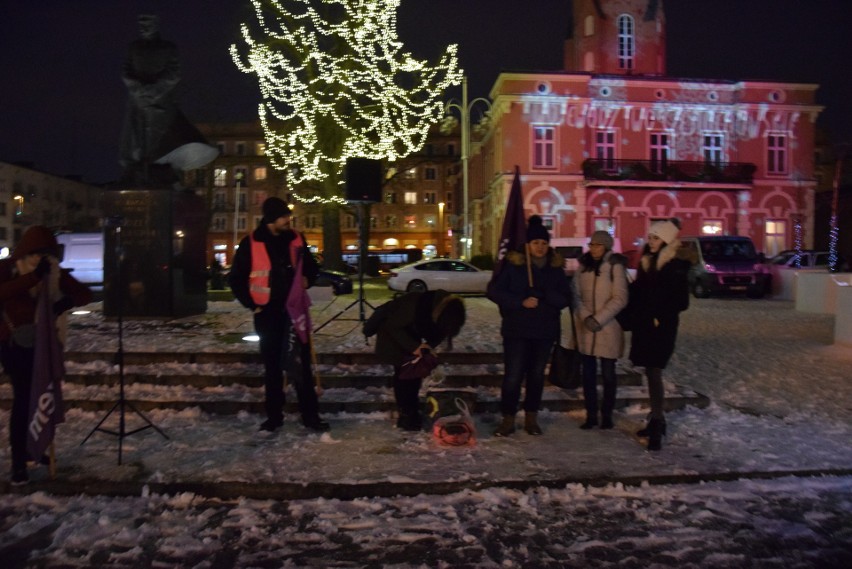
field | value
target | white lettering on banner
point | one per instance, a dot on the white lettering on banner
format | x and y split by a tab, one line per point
45	409
688	119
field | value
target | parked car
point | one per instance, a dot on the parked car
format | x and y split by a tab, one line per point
809	259
83	254
453	275
726	264
339	281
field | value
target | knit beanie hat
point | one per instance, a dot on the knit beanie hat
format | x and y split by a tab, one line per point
602	238
665	230
36	239
273	208
536	229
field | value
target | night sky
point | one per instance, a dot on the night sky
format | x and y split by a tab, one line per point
62	97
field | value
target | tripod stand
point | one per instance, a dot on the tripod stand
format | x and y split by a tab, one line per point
360	301
122	404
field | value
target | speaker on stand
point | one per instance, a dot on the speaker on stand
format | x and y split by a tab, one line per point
363	178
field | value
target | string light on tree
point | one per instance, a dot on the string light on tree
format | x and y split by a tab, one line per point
336	83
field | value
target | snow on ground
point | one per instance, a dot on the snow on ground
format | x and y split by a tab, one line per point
781	401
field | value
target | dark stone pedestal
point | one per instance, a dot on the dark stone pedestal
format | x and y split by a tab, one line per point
163	271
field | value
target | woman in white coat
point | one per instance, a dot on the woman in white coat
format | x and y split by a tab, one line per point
600	292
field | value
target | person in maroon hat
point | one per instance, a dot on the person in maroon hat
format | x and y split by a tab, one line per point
34	263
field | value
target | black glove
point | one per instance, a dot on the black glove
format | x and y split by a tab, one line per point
43	267
591	324
535	293
63	304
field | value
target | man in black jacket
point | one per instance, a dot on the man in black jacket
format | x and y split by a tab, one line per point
261	277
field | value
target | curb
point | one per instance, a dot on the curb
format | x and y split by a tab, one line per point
383	489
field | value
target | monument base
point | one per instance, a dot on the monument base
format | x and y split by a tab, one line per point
155	262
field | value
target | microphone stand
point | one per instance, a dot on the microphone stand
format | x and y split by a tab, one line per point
122	404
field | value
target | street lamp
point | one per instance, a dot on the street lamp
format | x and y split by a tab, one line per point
440	228
237	179
464	109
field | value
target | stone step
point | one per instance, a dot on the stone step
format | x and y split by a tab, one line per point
226	401
357	381
249	357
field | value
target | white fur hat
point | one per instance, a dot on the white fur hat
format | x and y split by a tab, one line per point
665	230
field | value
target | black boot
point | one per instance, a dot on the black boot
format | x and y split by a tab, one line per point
656	429
643	433
591	421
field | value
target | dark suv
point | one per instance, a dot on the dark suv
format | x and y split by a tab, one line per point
726	264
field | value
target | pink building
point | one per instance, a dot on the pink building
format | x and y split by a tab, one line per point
613	143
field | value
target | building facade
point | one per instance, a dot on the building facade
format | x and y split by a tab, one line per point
418	207
612	143
30	197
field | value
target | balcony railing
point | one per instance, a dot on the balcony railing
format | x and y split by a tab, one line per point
669	171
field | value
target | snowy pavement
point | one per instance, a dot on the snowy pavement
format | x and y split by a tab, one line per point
781	401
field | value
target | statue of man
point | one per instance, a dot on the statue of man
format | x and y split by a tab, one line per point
155	131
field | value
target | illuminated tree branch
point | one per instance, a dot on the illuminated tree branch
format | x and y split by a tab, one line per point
337	83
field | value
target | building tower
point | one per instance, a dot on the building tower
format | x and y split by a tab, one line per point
617	37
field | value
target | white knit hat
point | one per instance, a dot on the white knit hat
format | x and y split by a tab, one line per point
665	230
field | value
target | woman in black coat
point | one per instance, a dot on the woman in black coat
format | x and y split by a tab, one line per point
531	291
660	293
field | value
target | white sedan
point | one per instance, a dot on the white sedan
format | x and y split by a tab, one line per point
452	275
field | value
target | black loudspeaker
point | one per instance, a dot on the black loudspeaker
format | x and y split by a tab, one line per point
363	180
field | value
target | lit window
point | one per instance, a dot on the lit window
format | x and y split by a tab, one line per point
260	149
260	173
626	42
605	148
775	236
390	197
712	227
410	198
430	221
776	154
411	173
713	154
544	151
410	221
220	177
660	151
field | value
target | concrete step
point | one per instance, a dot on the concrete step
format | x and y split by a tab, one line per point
237	398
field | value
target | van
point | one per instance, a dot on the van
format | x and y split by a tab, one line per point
572	248
83	254
726	264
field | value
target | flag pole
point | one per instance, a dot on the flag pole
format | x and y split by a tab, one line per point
529	264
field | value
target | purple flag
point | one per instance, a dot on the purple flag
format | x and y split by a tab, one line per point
298	300
514	233
46	408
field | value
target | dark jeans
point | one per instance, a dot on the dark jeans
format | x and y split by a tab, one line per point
590	387
18	363
281	350
524	360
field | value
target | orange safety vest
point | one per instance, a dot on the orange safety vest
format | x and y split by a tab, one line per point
260	267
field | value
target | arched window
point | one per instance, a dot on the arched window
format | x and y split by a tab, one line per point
626	41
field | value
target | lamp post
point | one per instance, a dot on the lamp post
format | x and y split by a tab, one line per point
464	109
440	228
237	179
